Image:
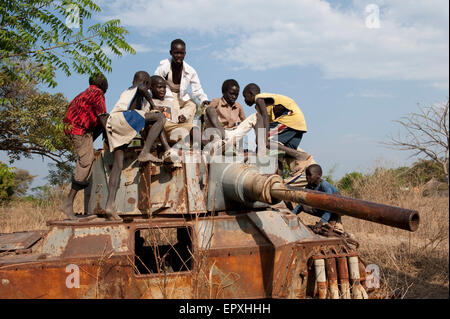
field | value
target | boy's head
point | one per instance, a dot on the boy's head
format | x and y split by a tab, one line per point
230	91
142	77
313	174
158	87
99	80
250	91
178	51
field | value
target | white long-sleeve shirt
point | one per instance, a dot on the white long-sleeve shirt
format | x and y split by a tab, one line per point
188	77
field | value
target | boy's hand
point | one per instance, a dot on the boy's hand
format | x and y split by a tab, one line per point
205	102
142	88
181	119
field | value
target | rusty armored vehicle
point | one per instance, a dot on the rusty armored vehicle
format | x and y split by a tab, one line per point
202	230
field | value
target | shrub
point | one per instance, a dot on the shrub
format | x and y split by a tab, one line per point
348	183
7	182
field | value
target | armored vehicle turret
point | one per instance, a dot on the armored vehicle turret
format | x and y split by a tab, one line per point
212	228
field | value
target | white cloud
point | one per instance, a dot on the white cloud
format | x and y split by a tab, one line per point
140	48
411	43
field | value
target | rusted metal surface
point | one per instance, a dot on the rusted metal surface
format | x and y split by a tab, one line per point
241	259
358	291
196	179
277	229
331	268
244	274
229	232
343	276
284	279
226	187
226	238
321	281
19	240
383	214
162	188
83	240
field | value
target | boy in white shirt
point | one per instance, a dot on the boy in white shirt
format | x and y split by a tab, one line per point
179	75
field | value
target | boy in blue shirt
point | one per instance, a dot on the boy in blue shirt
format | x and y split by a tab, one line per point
315	182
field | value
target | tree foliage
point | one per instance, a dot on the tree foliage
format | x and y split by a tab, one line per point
31	121
41	33
394	179
23	180
420	173
7	182
348	183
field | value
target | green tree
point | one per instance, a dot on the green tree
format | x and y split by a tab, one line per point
50	34
347	183
7	182
31	121
420	173
23	180
36	39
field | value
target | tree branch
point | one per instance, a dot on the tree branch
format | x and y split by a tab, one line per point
50	48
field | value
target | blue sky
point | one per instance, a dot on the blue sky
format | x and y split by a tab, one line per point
351	81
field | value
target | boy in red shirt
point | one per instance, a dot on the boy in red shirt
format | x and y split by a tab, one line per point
83	127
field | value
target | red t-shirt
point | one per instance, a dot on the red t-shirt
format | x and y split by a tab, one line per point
81	115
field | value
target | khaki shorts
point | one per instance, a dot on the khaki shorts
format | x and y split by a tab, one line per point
84	148
175	132
187	108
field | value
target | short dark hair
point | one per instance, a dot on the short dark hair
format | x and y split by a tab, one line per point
97	79
141	76
314	168
229	83
157	78
253	88
175	42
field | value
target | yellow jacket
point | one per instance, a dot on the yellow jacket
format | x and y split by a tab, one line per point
295	120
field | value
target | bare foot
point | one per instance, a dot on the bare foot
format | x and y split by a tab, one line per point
111	214
67	208
148	157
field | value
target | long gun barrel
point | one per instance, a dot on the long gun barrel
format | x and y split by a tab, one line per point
379	213
245	184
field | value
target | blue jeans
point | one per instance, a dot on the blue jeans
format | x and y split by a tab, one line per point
323	215
288	137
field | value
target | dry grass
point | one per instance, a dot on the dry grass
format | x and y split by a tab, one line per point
413	265
22	216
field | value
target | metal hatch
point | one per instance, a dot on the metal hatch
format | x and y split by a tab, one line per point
19	240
